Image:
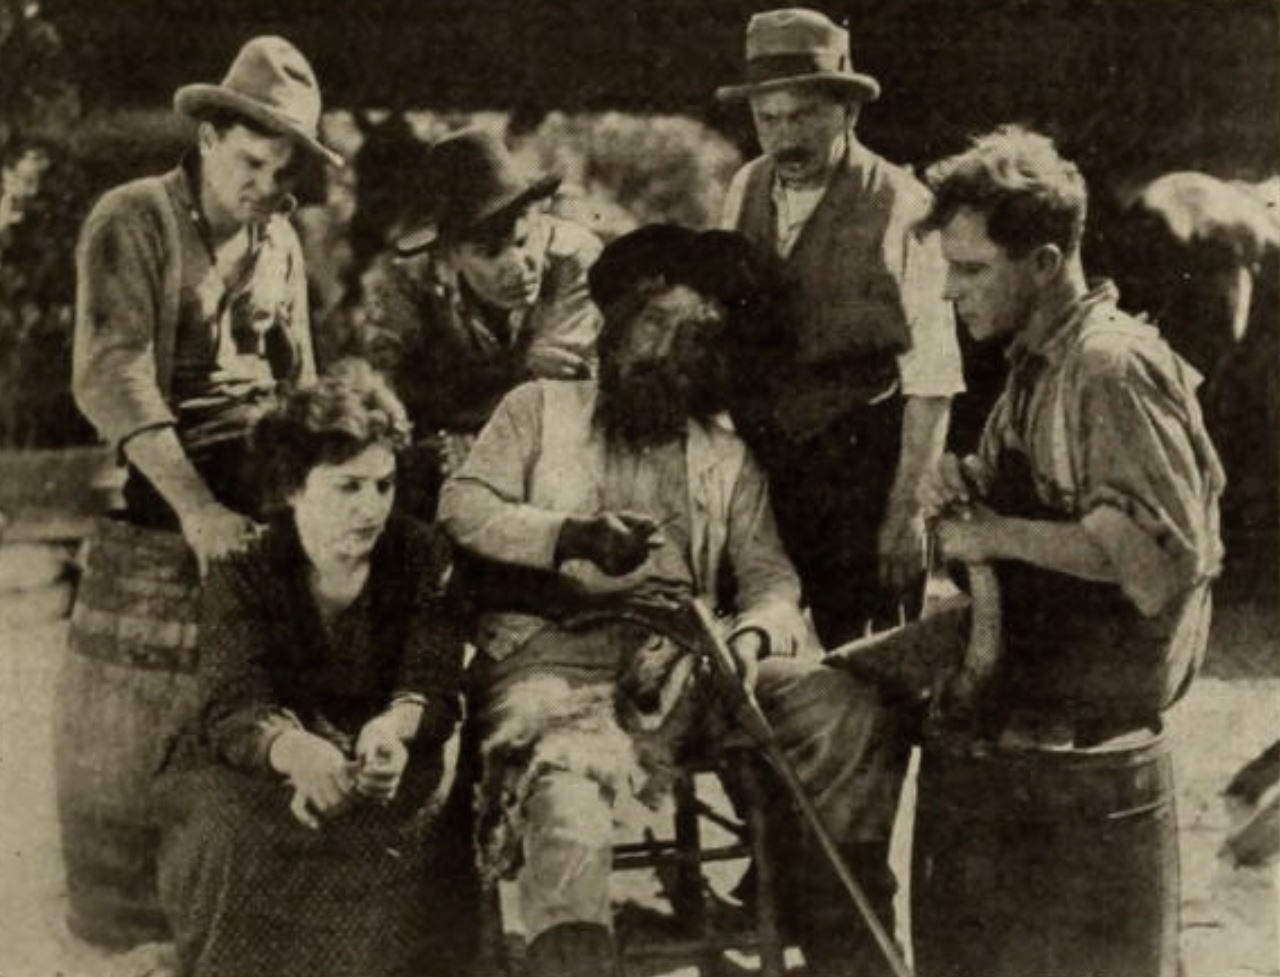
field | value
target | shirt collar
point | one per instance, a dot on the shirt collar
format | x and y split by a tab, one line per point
1050	335
182	180
184	184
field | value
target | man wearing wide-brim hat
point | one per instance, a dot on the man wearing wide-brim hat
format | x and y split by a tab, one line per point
583	494
851	406
485	289
191	302
190	311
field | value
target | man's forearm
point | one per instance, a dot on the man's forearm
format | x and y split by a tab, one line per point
924	435
160	457
1063	547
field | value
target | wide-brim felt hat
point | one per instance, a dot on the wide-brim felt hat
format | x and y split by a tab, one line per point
718	264
798	47
269	83
472	179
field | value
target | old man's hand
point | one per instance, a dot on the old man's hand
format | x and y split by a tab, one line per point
749	646
903	549
616	542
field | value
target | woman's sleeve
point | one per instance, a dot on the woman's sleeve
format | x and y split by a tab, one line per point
431	669
242	716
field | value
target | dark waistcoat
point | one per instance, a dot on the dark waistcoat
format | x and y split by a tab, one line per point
843	302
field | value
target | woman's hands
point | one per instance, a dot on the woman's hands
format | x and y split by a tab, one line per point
322	778
381	756
326	781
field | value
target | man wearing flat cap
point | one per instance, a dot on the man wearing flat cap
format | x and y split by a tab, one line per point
191	302
853	402
486	291
629	487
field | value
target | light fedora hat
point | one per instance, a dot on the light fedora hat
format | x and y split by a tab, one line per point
798	46
271	83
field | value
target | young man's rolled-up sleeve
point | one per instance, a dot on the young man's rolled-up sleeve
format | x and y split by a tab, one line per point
1148	493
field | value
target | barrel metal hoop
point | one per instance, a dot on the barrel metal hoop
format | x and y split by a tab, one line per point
151	657
1132	812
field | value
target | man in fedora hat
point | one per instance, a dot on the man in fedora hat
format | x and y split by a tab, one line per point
190	310
853	399
191	303
486	290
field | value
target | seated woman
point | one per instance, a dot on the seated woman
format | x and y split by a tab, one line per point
298	815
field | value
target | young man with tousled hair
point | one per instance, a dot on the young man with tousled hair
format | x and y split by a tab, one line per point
1092	500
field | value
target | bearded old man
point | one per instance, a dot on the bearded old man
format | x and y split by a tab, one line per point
627	485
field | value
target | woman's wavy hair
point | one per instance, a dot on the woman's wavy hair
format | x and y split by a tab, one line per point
349	409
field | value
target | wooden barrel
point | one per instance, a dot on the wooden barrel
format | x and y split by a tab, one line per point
1045	862
127	684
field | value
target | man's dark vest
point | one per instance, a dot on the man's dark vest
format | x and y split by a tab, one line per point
843	303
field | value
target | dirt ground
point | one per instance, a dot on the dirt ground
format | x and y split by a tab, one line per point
1230	917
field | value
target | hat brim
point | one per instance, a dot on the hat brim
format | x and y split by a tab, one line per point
416	241
864	86
192	100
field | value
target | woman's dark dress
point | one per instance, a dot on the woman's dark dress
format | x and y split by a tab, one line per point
248	890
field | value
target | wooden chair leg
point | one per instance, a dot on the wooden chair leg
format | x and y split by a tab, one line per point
687	895
690	900
772	962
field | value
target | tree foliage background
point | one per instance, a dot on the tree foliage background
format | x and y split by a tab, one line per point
618	93
39	109
1130	84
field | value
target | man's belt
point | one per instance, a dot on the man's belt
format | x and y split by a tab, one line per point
1042	731
810	398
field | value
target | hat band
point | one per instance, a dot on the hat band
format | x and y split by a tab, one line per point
298	109
772	67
